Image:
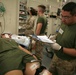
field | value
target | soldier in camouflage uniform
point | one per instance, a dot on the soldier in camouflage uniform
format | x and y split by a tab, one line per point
40	29
30	22
63	62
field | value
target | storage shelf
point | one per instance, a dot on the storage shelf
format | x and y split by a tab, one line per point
22	10
22	17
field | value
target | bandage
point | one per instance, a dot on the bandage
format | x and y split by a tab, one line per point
31	68
6	35
34	66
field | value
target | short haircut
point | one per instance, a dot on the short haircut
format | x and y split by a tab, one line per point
43	7
70	7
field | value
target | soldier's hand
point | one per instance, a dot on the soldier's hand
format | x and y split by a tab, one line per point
56	46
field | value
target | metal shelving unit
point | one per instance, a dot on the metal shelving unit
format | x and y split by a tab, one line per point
22	17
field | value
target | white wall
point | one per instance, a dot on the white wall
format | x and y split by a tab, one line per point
9	20
53	3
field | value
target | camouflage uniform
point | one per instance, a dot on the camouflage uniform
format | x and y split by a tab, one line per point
30	26
29	29
39	45
64	63
62	67
39	49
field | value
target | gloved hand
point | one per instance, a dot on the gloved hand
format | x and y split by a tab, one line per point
56	46
52	37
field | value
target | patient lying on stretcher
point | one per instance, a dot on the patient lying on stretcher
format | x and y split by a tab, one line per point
15	60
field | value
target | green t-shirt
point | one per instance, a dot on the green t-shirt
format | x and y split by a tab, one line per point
7	44
66	38
43	20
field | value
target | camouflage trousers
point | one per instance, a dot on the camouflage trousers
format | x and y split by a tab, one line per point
62	67
39	49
